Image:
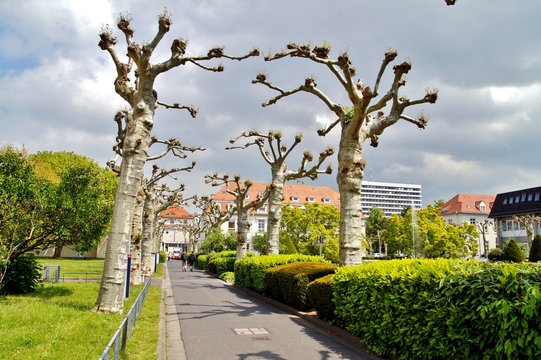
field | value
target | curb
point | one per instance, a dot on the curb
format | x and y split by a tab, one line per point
170	345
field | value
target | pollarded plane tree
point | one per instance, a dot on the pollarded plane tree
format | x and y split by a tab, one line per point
275	153
239	190
211	212
144	203
365	118
135	84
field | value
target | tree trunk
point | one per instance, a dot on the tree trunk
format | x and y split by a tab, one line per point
349	177
243	227
134	155
148	243
136	240
275	208
57	252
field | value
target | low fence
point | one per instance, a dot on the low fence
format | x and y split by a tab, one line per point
52	273
124	331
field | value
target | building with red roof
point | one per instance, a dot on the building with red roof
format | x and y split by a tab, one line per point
473	209
294	195
174	236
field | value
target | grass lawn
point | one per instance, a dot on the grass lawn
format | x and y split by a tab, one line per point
76	268
57	322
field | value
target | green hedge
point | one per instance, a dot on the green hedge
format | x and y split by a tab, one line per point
221	265
320	293
201	262
442	309
250	271
289	283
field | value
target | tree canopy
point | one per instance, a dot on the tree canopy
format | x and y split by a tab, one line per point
304	227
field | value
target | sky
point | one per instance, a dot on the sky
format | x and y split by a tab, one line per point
483	56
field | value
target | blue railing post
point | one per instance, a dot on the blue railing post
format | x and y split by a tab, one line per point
128	275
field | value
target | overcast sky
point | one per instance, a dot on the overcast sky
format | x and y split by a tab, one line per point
484	56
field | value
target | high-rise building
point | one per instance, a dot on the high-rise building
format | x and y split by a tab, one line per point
392	198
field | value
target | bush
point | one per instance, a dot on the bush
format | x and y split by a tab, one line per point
289	283
535	250
163	256
495	254
512	252
201	262
221	265
250	271
442	309
228	277
23	275
320	294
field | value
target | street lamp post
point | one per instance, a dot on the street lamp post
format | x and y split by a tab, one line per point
320	242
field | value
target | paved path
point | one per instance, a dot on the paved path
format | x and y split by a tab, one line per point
219	321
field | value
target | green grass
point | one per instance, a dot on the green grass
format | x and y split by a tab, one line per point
76	268
57	322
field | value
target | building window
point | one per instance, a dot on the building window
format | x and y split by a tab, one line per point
537	196
523	197
262	209
505	201
530	197
294	198
511	200
310	199
231	225
482	207
218	207
326	200
230	206
261	226
472	221
171	221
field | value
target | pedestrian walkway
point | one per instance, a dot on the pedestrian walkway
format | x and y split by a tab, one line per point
208	319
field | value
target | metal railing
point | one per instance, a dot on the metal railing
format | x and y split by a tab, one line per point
124	331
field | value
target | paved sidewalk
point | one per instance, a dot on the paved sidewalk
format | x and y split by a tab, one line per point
205	318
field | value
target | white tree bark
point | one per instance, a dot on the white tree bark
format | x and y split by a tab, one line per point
358	122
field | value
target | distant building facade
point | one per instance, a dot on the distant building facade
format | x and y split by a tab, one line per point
392	198
173	234
294	195
510	205
473	209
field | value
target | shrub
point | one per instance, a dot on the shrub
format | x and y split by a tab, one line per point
320	294
250	271
512	252
201	262
228	277
163	256
495	254
442	309
221	265
535	250
289	283
23	275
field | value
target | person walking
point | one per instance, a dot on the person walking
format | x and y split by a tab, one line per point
191	261
184	260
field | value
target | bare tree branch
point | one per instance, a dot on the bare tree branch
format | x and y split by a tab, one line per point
193	111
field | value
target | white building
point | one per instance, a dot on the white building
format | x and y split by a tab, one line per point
174	235
473	209
392	198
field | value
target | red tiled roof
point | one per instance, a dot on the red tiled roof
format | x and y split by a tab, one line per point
293	194
176	211
468	204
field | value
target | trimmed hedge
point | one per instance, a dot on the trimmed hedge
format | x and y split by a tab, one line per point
320	293
221	265
442	309
250	271
512	252
201	262
535	250
289	283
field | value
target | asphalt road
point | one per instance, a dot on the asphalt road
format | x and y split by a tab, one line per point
219	321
